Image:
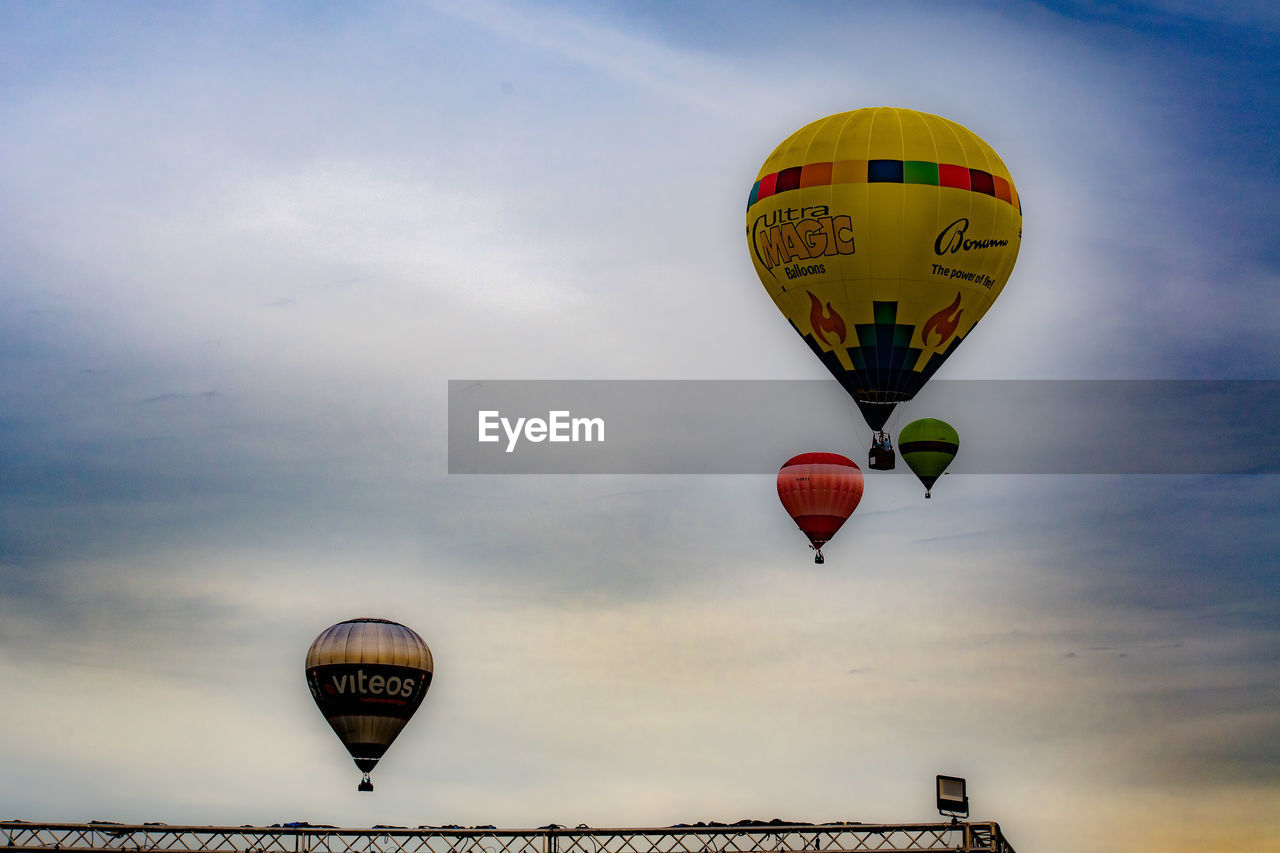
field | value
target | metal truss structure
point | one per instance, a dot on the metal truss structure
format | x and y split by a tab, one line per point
747	837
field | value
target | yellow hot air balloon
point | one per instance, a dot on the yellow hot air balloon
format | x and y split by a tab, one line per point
883	235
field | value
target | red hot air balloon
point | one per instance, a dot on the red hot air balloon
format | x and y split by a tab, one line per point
819	491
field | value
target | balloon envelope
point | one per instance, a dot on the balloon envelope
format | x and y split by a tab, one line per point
883	235
368	676
928	446
819	491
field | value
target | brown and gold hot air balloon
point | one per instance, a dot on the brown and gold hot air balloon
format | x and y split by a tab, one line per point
368	676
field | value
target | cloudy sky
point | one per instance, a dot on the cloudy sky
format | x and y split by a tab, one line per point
245	246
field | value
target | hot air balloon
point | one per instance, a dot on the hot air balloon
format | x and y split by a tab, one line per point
819	491
368	676
928	446
883	235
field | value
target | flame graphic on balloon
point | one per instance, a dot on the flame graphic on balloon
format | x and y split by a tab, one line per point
825	320
944	323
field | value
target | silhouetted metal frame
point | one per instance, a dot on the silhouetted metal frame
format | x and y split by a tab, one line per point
963	837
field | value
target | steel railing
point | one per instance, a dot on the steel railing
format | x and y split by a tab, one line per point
748	837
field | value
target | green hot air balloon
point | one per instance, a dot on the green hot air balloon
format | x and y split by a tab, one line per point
928	446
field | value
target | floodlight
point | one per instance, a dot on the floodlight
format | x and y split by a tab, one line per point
952	798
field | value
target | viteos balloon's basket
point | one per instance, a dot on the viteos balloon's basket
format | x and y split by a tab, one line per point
365	784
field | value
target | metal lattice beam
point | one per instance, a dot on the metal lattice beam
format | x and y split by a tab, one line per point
967	837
